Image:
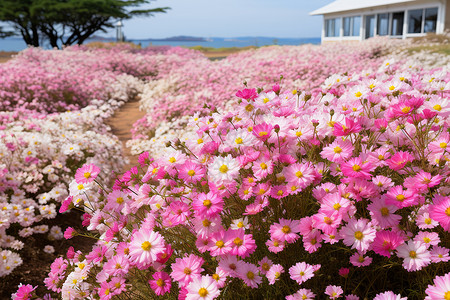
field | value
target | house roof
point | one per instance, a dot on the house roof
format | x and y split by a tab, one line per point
347	5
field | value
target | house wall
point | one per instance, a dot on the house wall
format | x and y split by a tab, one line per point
443	22
447	16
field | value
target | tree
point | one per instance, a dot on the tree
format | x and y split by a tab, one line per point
68	22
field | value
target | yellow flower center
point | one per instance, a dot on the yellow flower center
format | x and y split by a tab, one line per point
223	169
280	193
187	271
216	277
119	200
412	254
238	242
240	225
337	150
437	107
447	295
238	141
80	187
220	244
107	292
447	211
356	168
406	109
371	86
384	211
207	203
286	229
203	292
358	94
298	133
199	141
443	145
249	107
206	223
427	221
313	241
263	133
160	282
277	275
426	240
87	175
146	246
250	275
358	235
263	166
392	88
276	243
265	266
336	206
361	259
400	197
302	273
172	159
191	172
265	100
299	174
327	220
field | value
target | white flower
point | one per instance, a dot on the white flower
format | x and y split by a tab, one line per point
223	170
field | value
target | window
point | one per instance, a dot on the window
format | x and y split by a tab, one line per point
383	24
397	23
332	27
430	19
352	25
370	26
415	21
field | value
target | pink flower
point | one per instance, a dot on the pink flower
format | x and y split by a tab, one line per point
401	198
161	283
285	230
350	127
24	292
415	255
440	211
422	181
191	172
87	174
439	254
303	294
440	289
358	234
262	131
242	244
207	205
338	151
202	288
399	160
144	247
186	269
389	296
300	175
383	214
301	272
249	274
359	260
274	273
247	94
69	233
358	168
333	291
386	242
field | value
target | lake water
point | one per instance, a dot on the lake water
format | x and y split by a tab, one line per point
17	44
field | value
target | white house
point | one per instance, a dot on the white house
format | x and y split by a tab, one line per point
356	20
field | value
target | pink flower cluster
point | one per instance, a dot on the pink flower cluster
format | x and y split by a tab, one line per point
267	194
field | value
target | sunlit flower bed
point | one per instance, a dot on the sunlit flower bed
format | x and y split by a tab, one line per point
184	90
342	191
56	81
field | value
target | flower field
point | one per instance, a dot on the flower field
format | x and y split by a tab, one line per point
306	172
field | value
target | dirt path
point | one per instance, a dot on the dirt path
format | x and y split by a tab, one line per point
122	122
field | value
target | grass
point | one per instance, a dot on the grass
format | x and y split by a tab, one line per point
441	48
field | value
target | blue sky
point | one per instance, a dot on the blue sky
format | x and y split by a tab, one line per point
231	18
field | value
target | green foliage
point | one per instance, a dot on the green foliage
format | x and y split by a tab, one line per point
67	22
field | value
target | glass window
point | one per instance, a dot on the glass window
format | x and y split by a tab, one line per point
329	27
430	19
383	24
347	26
397	23
356	26
415	21
370	26
337	27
